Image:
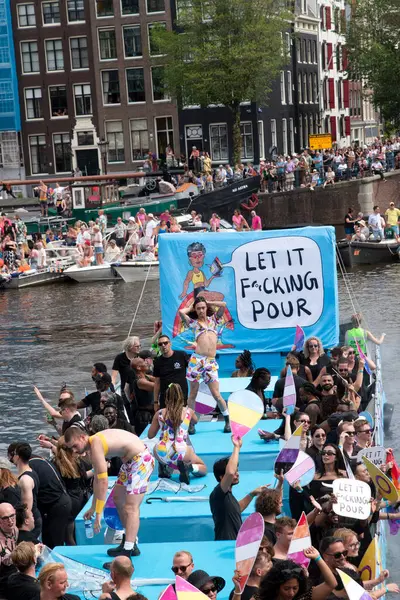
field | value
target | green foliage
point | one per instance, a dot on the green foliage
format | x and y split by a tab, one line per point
374	52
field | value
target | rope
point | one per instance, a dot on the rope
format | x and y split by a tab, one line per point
140	299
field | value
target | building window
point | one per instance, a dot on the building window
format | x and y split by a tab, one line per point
305	98
33	102
83	100
111	93
291	136
304	6
115	137
304	44
289	87
107	43
283	91
157	80
246	133
261	144
139	139
51	13
310	89
104	8
76	10
85	138
273	133
155	6
62	152
284	137
309	54
79	53
165	134
26	15
30	57
219	142
58	101
154	48
315	88
288	43
37	147
54	55
315	55
130	7
299	89
135	84
132	41
298	51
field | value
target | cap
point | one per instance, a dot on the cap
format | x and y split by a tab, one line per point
87	242
150	215
5	464
131	219
200	578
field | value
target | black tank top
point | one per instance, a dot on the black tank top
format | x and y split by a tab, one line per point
144	398
34	476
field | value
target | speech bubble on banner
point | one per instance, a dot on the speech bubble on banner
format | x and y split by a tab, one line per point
247	545
381	481
353	498
376	454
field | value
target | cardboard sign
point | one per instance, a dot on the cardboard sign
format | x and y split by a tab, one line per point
381	481
303	470
300	541
320	141
376	454
168	593
187	591
289	393
245	410
289	453
247	544
353	589
353	498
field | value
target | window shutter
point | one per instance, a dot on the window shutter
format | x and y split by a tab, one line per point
346	93
331	87
347	128
333	128
328	17
329	57
344	59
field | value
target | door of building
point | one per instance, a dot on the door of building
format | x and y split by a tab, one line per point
88	161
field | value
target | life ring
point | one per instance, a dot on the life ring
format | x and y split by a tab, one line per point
252	203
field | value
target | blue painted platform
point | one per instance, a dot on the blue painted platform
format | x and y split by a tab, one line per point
155	561
185	521
228	385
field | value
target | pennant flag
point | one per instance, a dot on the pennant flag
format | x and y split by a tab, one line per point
363	357
353	589
299	338
367	567
300	541
168	593
187	591
205	402
394	471
245	410
381	481
289	453
289	393
303	470
247	544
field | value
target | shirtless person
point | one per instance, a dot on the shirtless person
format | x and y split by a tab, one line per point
202	364
131	484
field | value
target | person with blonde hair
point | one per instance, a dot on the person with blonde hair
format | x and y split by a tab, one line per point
122	362
173	451
23	584
314	357
53	580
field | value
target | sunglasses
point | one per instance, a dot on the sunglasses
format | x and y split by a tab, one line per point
355	545
210	590
328	453
350	352
366	431
180	568
313	345
163	343
350	432
338	554
304	421
320	435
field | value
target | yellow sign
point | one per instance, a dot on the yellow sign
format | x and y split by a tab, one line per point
367	567
381	481
320	141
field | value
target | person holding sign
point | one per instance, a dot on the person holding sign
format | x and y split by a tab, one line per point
204	320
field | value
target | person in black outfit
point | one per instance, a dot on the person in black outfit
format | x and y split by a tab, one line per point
114	422
226	510
294	363
25	522
261	566
96	400
170	367
259	382
9	489
23	585
122	362
28	482
143	391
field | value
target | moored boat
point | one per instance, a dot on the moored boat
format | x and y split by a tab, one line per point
368	253
31	278
103	272
139	270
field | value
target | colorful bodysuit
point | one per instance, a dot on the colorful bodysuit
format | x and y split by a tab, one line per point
172	446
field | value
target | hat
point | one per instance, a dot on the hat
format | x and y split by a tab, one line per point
5	464
131	219
87	242
150	215
199	578
113	241
362	222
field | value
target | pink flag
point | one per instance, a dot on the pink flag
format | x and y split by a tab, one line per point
363	357
299	338
247	544
289	393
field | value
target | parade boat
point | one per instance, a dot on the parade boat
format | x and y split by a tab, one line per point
368	253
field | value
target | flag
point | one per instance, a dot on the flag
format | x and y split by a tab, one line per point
247	545
394	471
289	392
363	357
300	541
353	589
299	338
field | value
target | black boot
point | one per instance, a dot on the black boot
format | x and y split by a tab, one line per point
128	553
227	428
115	551
183	472
163	471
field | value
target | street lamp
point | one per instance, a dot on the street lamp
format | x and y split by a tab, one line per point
103	145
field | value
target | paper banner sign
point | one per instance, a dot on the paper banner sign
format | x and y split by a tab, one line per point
376	454
205	402
289	453
245	410
300	541
367	567
381	481
289	392
353	589
353	498
303	470
247	544
187	591
110	515
168	593
299	338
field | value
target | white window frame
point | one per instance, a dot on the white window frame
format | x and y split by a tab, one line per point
34	14
50	107
26	105
59	10
223	161
102	88
99	45
21	56
115	162
248	158
311	99
129	14
45	55
54	150
74	37
305	89
288	40
149	27
284	137
104	16
283	90
289	87
75	85
127	90
29	150
291	136
130	136
158	12
167	98
170	141
79	21
300	88
261	139
304	7
130	26
274	139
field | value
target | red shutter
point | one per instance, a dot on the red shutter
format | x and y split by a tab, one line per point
344	59
328	17
331	88
333	128
347	128
346	93
329	52
321	12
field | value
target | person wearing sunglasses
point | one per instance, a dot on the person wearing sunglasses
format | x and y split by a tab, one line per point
314	357
169	367
182	564
318	439
8	543
332	467
209	585
363	435
347	439
311	402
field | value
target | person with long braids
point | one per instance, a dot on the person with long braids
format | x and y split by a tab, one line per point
173	451
204	320
244	365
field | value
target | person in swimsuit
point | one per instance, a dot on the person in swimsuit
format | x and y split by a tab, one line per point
173	450
204	321
133	478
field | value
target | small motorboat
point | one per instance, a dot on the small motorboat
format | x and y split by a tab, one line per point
92	273
367	253
137	270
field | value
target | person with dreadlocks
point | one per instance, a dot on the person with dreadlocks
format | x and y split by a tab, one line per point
244	365
173	450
